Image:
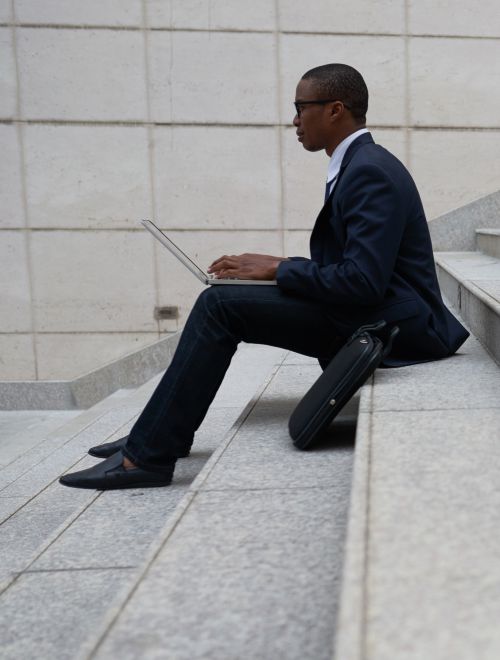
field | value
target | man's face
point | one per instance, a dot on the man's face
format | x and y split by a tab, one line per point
315	128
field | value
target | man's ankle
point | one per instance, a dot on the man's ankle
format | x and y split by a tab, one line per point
128	465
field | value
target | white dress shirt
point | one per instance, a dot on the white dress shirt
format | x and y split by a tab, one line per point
337	157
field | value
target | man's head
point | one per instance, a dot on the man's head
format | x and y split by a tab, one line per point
331	103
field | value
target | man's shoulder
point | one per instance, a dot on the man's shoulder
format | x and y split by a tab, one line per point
376	157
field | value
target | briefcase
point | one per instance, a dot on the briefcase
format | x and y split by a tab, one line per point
349	369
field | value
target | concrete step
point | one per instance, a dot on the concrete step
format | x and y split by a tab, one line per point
86	546
471	282
421	573
249	566
20	431
488	241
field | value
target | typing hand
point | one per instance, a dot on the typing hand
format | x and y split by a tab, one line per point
246	266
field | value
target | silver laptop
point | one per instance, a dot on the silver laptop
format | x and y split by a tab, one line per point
189	263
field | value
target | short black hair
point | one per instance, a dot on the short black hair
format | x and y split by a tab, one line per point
342	82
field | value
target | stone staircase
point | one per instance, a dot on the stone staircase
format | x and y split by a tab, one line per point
260	551
471	282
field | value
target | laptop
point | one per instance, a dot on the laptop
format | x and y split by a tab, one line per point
190	264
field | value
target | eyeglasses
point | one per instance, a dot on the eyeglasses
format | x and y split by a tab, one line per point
298	104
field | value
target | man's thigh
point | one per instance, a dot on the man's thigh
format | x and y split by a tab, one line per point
267	315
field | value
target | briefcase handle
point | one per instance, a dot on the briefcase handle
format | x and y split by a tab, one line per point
374	329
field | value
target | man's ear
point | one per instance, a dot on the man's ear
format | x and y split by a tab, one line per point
337	110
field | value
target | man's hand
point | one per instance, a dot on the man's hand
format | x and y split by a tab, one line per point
246	266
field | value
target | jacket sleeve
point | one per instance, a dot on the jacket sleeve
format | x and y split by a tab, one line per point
371	208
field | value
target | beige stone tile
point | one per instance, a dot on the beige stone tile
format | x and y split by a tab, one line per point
177	286
304	176
380	60
67	356
7	75
213	15
441	165
216	177
17	359
384	16
449	85
82	74
454	18
393	140
75	12
93	281
213	77
15	302
5	11
297	243
11	202
87	176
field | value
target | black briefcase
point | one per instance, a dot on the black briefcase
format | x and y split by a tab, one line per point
348	370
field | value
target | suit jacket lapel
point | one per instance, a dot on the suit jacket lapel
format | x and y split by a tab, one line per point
366	138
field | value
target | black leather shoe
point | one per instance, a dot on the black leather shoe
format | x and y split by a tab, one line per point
110	474
109	448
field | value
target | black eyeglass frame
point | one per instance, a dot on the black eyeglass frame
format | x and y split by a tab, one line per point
298	109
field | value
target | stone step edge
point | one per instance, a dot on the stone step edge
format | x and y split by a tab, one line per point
131	370
468	284
350	627
91	646
488	231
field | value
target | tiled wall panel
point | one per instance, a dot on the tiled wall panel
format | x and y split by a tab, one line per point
87	176
93	281
216	177
11	200
455	18
5	11
452	168
352	16
82	74
15	303
455	82
7	75
76	12
213	77
17	357
213	15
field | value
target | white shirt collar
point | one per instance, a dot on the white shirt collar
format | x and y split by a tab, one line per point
339	153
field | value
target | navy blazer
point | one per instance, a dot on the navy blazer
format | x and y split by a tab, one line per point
371	258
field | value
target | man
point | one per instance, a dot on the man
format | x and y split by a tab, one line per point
371	259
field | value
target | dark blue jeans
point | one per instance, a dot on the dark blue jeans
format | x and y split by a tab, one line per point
221	318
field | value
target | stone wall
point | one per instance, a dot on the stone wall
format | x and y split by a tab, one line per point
180	110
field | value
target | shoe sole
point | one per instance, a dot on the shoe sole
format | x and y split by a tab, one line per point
99	455
118	487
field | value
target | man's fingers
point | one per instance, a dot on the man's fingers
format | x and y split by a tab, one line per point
224	262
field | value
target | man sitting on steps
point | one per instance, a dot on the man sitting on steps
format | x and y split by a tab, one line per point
371	259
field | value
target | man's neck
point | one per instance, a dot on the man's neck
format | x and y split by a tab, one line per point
348	131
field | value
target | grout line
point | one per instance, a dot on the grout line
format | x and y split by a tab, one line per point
139	123
366	543
279	99
242	31
151	156
139	229
407	89
75	569
52	538
24	195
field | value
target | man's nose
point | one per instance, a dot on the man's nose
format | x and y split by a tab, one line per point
296	120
